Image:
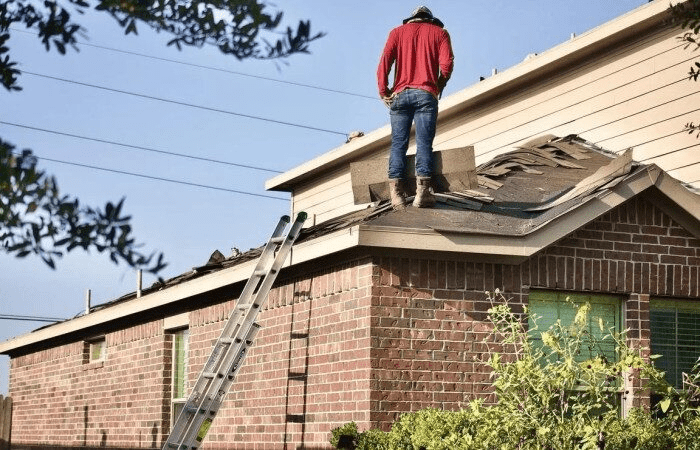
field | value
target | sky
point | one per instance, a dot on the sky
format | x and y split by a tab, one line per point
213	92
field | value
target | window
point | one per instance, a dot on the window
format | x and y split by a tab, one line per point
675	335
179	386
96	350
552	306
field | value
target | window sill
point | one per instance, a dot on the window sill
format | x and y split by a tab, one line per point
94	365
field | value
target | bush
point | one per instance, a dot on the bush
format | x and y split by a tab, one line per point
549	397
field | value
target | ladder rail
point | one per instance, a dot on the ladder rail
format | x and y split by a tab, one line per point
247	322
229	351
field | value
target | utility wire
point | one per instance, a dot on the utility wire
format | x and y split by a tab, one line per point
30	318
138	147
151	177
191	105
218	69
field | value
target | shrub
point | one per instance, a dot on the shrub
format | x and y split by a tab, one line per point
549	397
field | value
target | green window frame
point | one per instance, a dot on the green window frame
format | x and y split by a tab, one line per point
551	306
675	335
180	359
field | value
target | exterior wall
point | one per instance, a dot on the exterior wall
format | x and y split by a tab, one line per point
635	94
361	340
308	370
427	315
63	401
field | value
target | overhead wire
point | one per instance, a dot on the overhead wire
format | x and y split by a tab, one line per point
138	147
30	318
151	177
190	105
217	69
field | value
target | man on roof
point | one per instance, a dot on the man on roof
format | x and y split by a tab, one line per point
421	53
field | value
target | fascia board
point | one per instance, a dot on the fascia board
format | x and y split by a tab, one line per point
302	252
603	36
682	199
687	200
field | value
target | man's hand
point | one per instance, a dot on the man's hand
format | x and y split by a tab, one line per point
388	101
441	83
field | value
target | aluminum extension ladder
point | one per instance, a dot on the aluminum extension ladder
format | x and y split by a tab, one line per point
231	348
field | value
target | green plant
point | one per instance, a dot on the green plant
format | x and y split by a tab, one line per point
560	391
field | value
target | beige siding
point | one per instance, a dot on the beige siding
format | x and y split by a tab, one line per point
328	197
637	95
618	101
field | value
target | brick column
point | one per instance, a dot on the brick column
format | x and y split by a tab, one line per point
636	321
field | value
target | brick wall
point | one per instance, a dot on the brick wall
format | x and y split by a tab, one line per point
308	370
63	401
427	315
361	340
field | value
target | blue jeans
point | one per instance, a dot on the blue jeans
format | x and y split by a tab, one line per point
410	105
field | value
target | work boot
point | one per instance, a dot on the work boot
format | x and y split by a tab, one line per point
424	198
398	196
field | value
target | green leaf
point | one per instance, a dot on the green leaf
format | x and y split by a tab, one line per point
665	403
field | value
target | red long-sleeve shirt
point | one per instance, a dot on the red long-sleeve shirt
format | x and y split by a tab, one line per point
421	51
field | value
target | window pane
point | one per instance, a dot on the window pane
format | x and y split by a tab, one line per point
97	350
675	335
180	348
552	306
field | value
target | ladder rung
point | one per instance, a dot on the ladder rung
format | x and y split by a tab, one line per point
210	375
260	273
277	240
247	306
226	340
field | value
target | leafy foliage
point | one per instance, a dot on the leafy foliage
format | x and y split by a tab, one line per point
236	27
36	219
549	397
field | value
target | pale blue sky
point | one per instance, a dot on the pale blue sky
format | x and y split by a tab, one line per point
189	223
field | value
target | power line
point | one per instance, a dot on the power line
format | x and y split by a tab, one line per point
138	147
191	105
30	318
218	69
151	177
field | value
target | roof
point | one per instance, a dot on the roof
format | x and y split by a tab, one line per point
527	199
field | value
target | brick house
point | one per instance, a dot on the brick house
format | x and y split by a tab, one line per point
378	312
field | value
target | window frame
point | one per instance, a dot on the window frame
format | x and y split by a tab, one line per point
179	371
98	342
677	305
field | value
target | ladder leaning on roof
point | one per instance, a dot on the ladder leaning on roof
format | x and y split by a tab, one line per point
231	348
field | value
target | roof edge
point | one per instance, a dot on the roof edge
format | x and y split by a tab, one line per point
300	253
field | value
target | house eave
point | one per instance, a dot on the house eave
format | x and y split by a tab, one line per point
301	252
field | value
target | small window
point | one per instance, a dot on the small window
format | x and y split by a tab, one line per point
675	335
180	365
96	350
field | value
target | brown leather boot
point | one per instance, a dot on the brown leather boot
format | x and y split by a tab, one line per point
424	198
398	196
